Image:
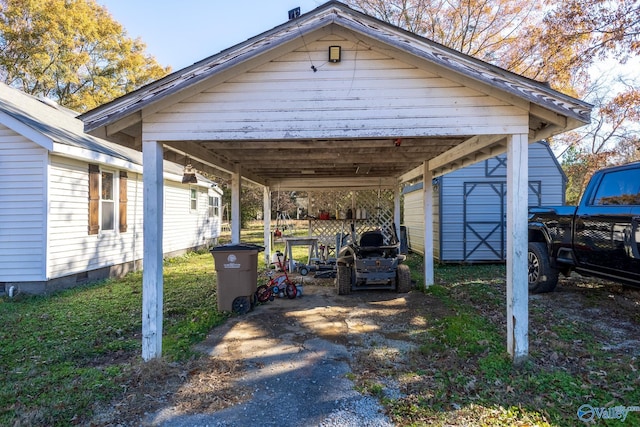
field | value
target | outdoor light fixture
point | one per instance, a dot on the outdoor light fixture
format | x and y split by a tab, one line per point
334	53
189	175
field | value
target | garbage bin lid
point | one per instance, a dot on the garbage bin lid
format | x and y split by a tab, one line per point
238	247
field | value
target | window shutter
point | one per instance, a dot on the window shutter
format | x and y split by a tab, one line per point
123	202
94	199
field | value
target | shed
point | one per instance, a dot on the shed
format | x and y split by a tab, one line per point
71	205
470	205
391	107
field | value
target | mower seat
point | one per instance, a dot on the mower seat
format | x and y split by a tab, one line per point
370	243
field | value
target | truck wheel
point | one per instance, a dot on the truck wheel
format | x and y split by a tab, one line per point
542	277
403	279
343	280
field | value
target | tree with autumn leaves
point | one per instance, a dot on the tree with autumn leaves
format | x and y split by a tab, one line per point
555	41
71	51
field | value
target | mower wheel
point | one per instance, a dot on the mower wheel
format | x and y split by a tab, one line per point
403	279
343	280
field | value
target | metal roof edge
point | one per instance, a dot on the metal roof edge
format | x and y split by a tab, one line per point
16	125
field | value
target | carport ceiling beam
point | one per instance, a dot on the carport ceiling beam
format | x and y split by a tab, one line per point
342	157
361	183
473	150
204	156
331	144
412	174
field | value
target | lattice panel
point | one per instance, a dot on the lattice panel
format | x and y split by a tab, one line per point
378	205
326	230
370	210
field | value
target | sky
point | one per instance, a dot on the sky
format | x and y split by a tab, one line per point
183	32
179	33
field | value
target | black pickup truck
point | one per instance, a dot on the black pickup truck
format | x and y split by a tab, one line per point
600	237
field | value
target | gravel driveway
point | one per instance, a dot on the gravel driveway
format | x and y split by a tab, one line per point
296	359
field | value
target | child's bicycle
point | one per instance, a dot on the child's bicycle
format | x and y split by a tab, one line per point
278	284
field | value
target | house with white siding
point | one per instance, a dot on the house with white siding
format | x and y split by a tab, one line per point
71	204
469	206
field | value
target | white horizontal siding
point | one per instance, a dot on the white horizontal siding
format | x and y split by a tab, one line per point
367	94
414	220
73	250
183	227
23	166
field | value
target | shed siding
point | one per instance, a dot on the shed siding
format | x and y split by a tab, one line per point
368	93
23	195
485	184
414	220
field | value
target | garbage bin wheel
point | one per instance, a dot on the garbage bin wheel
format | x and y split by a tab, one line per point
241	305
291	290
263	293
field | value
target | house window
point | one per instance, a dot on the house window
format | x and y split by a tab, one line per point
107	202
214	206
193	199
106	188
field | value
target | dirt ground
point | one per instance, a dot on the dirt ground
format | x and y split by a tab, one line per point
301	355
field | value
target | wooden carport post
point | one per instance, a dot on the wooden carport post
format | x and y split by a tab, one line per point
427	188
517	236
236	193
397	191
152	276
266	216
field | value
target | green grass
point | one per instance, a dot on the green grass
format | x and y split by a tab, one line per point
462	374
62	354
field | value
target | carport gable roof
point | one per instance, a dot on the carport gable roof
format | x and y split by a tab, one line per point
334	12
338	149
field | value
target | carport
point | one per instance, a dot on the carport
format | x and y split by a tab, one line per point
335	99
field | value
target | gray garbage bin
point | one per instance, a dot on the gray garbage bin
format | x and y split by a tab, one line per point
237	270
